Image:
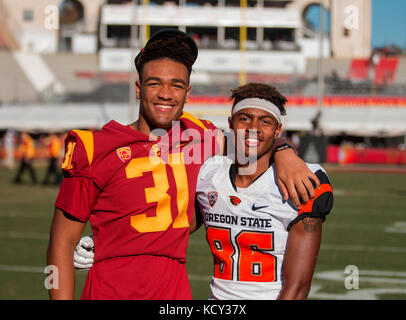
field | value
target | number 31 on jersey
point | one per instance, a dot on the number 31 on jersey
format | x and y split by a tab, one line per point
159	192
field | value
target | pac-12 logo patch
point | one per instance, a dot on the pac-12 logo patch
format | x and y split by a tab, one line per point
124	153
235	200
212	197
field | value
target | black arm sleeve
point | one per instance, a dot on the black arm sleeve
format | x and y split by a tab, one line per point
321	205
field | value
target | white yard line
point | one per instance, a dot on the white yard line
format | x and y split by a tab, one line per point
31	215
24	235
194	277
363	248
30	269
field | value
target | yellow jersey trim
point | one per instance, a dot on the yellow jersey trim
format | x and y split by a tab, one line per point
87	139
193	119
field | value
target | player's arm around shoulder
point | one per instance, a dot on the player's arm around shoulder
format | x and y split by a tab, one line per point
294	178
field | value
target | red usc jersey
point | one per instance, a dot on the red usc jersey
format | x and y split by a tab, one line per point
138	196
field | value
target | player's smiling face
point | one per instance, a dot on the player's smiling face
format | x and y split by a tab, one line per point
162	90
254	129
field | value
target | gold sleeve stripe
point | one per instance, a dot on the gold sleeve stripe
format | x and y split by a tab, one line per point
87	139
194	120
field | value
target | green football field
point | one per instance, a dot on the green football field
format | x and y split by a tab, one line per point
362	256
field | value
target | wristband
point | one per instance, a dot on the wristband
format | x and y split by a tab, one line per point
284	146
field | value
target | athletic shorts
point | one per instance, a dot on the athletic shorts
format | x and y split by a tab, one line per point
142	277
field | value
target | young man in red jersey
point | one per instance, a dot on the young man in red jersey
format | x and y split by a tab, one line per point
136	189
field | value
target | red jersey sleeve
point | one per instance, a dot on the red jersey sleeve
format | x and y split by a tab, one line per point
78	192
78	154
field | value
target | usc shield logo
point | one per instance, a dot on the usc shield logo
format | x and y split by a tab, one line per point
156	149
235	200
124	153
212	197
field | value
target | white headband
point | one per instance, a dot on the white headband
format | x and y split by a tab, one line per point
258	103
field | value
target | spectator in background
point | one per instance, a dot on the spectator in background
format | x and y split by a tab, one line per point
372	64
54	152
8	145
26	152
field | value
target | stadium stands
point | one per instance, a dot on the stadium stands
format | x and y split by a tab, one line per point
6	40
80	78
386	70
14	84
400	75
381	73
3	42
68	68
39	74
358	70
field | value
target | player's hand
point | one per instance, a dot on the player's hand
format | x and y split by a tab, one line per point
84	254
294	178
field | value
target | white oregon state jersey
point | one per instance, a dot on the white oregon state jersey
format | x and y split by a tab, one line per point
247	229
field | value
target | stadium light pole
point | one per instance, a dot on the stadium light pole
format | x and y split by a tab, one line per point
243	41
145	26
320	77
132	98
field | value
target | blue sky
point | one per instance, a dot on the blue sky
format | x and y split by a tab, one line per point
388	22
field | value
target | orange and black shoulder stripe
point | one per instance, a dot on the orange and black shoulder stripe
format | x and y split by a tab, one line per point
321	205
317	204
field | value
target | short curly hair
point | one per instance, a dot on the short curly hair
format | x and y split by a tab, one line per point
259	90
175	49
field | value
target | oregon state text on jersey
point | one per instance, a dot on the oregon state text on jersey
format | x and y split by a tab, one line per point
248	240
138	194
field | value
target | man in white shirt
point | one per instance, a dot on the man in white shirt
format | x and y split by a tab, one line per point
263	247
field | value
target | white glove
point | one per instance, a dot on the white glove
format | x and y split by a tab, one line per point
84	254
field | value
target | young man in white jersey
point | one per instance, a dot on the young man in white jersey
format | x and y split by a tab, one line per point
263	247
